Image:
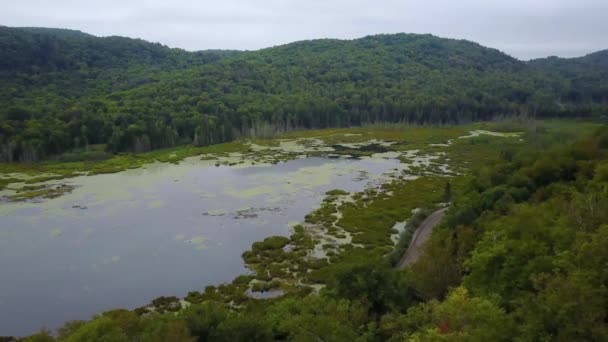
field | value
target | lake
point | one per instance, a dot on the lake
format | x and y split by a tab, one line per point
120	240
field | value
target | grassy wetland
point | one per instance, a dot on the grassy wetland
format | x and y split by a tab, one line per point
294	212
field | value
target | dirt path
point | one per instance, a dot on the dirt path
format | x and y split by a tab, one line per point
422	234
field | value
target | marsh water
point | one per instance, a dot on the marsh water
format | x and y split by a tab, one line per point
120	240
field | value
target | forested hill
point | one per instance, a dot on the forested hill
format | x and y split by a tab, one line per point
36	50
597	61
65	90
75	63
585	79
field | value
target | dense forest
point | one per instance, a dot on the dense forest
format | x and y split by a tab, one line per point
65	90
520	256
62	90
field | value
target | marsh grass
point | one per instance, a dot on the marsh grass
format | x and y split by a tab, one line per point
370	217
287	262
5	182
404	137
41	192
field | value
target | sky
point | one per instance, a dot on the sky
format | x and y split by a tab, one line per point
522	28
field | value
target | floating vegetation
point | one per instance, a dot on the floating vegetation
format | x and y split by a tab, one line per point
336	192
338	144
42	192
199	242
252	212
250	192
344	228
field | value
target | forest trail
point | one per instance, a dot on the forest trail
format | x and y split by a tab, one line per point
422	234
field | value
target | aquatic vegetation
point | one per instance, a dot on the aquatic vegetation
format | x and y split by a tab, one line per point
270	243
199	242
41	192
362	142
315	248
250	192
4	182
48	178
30	188
350	227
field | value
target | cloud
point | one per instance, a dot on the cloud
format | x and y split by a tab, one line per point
522	28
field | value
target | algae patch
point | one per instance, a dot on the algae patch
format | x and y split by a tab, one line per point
199	242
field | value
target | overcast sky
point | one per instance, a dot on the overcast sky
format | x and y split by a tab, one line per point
522	28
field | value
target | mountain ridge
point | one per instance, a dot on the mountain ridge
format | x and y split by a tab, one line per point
76	32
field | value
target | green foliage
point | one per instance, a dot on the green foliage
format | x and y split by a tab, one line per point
270	243
438	268
336	192
373	283
459	317
203	319
447	192
56	83
512	249
316	318
243	328
99	329
164	329
65	90
538	255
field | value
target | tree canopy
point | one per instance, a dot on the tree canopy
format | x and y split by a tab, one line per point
64	90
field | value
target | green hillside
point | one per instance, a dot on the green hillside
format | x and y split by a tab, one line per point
65	90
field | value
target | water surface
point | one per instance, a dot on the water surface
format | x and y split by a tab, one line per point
120	240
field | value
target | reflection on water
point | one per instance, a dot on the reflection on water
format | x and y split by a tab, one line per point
120	240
